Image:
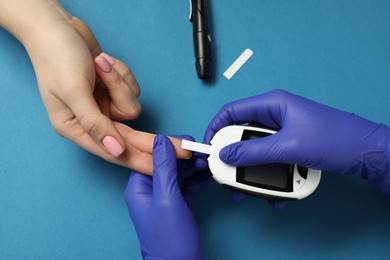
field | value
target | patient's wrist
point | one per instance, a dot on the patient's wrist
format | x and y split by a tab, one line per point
27	19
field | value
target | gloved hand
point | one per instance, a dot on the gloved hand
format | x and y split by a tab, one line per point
193	174
310	134
164	223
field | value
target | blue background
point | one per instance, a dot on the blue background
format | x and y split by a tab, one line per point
59	202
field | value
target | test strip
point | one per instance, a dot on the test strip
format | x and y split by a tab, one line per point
238	63
196	147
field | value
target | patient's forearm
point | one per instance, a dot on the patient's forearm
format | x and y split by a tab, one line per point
25	18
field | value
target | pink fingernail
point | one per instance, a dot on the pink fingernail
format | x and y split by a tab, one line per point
112	146
108	58
103	64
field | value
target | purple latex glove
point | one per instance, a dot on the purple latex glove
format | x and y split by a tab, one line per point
310	134
164	223
193	173
192	178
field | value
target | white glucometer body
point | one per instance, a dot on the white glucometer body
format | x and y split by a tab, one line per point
272	181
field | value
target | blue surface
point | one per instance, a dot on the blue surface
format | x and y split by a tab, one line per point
59	202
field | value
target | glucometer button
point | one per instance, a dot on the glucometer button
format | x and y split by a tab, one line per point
298	183
303	171
299	180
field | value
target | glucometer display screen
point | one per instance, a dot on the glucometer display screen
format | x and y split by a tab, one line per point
275	176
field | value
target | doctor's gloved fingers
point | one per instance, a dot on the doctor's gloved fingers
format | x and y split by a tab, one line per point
265	110
165	183
194	184
226	116
200	161
139	189
185	164
270	149
117	81
188	167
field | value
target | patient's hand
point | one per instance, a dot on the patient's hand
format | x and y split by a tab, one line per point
83	90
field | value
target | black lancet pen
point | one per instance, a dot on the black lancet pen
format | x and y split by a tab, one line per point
202	40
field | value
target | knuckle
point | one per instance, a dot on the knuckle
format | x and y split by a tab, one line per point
279	94
164	204
62	124
117	80
132	111
90	124
228	111
136	89
129	76
58	127
128	73
227	108
135	111
127	112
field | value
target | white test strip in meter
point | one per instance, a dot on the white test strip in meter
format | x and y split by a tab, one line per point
196	147
238	63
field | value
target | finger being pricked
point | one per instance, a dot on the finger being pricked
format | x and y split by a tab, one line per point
121	86
139	147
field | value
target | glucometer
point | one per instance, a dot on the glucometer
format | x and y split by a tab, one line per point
271	181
